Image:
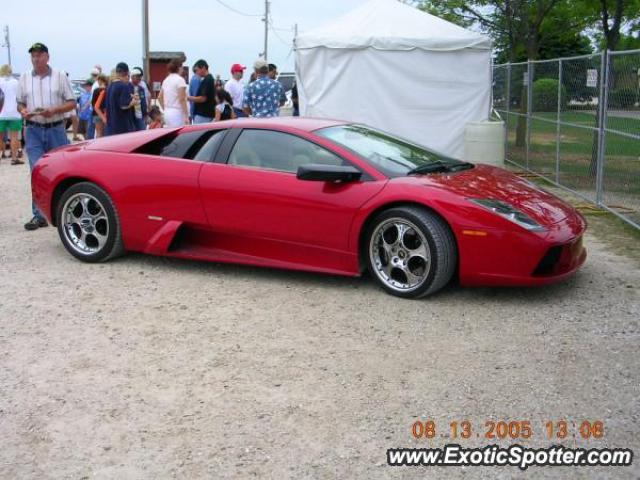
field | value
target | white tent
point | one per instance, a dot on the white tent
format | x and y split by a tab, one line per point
396	68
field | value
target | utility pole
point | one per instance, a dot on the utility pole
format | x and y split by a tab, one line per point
7	43
145	40
266	29
295	36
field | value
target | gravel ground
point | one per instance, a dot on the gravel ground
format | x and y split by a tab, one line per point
155	368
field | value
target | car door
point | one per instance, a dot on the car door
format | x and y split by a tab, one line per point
161	184
258	203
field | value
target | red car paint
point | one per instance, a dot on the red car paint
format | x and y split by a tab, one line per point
237	214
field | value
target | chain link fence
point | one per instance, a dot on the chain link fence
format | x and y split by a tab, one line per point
576	122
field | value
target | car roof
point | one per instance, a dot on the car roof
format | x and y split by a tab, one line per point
307	124
128	142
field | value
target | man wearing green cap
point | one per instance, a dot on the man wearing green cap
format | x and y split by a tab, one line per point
44	96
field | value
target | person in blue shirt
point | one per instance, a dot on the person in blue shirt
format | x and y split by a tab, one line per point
262	97
84	107
194	86
120	103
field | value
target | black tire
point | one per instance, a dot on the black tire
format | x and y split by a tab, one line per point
102	233
391	259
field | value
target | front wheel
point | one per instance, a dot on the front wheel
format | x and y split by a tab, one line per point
88	223
411	252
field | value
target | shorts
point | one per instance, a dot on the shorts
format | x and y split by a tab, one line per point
12	125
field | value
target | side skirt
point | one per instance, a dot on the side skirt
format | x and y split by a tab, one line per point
179	240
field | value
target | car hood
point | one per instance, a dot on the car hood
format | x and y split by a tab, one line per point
487	182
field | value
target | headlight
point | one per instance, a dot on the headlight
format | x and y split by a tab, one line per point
510	213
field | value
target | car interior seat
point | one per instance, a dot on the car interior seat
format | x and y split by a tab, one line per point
243	154
326	158
300	155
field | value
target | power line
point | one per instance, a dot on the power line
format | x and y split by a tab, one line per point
236	10
273	29
268	24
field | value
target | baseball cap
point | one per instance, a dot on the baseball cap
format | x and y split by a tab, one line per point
40	47
88	81
260	64
95	71
236	67
136	71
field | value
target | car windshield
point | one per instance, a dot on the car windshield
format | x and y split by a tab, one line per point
391	155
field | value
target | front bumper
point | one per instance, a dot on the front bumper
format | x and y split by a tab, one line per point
520	258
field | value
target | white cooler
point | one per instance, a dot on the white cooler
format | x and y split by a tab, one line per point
484	142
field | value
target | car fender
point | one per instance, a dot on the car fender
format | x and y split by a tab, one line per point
391	195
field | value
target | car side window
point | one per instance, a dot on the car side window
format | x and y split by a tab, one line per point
199	145
209	148
180	145
278	151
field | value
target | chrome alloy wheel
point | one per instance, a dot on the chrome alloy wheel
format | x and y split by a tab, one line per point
86	226
400	254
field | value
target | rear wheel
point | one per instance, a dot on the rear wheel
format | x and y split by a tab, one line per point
411	252
88	223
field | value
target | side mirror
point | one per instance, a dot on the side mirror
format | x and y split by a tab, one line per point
328	173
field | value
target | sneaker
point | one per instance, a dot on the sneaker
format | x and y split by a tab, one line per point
35	223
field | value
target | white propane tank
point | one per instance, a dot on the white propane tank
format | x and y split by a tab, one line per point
484	142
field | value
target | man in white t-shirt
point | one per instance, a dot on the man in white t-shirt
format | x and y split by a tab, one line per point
10	118
236	88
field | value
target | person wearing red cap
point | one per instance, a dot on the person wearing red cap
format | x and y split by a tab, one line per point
236	88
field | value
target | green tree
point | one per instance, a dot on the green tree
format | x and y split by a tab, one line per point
520	29
611	17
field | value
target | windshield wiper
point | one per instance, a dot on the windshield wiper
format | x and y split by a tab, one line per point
440	166
434	166
456	167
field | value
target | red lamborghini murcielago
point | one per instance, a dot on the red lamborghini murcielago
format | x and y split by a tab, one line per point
308	194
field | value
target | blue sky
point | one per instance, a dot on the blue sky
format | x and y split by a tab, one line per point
80	34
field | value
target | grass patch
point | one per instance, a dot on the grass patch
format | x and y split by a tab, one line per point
577	153
577	140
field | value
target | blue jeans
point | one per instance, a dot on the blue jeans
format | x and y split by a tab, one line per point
200	119
239	112
39	141
91	129
139	123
